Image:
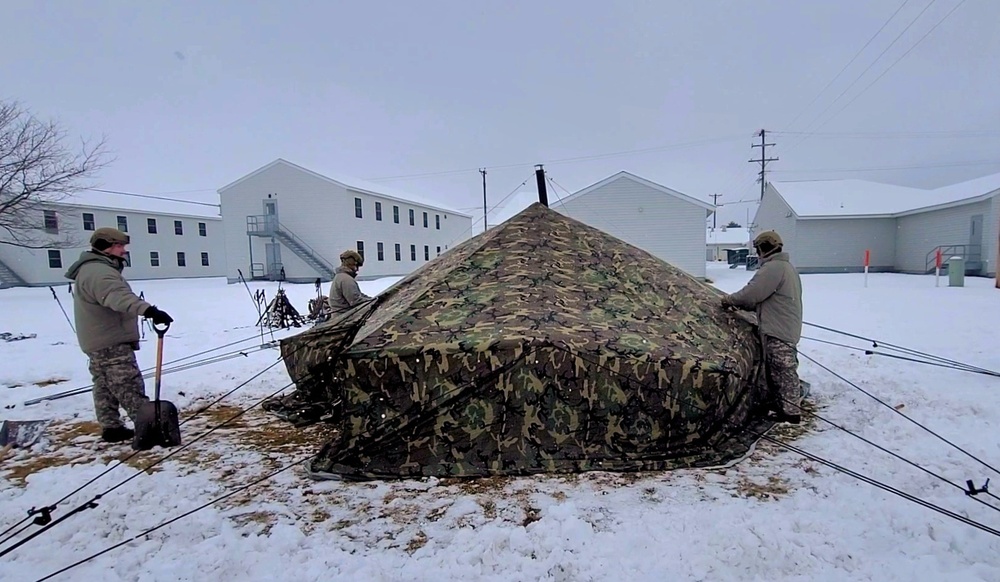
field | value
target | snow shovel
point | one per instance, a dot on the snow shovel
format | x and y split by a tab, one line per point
157	422
21	433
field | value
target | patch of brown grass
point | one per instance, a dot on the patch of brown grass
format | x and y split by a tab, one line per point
418	541
66	449
489	507
772	490
50	382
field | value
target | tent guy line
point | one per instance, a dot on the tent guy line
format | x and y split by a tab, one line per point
45	512
892	408
762	435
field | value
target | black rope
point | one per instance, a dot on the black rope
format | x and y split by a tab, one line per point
892	408
356	327
780	443
871	352
179	517
810	456
877	343
92	502
85	389
887	451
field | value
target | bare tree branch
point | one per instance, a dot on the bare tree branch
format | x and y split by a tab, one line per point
36	170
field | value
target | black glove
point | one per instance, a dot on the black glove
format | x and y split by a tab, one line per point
158	316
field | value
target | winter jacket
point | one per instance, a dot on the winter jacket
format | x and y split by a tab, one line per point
775	292
344	291
104	307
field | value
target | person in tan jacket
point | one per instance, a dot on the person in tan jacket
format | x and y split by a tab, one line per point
344	290
106	313
775	293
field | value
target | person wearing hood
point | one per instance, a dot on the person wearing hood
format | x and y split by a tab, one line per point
106	313
344	291
775	293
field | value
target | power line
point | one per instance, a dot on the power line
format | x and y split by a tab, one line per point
889	68
872	64
854	58
952	134
882	168
150	196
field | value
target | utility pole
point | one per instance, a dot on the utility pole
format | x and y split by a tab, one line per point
763	159
486	225
715	213
543	195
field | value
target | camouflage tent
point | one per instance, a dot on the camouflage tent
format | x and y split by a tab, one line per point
542	345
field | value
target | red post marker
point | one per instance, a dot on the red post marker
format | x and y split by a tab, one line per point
937	259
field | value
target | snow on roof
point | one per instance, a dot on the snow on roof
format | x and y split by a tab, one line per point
729	236
107	201
357	184
865	198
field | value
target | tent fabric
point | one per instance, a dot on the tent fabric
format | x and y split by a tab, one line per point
541	346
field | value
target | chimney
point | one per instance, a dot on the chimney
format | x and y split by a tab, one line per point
543	196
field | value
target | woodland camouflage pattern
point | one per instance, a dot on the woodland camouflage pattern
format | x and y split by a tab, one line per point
542	345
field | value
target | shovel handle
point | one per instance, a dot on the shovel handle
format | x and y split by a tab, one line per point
161	332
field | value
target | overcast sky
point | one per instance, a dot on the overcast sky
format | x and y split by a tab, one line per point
193	95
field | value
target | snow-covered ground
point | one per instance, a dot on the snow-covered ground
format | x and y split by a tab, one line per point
774	516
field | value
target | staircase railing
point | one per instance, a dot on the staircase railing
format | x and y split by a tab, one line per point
268	225
971	254
319	258
9	277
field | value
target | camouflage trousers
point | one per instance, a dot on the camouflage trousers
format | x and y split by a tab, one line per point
118	384
782	364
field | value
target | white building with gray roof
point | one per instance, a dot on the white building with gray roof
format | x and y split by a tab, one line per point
169	239
828	225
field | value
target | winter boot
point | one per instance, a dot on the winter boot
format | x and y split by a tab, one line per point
117	434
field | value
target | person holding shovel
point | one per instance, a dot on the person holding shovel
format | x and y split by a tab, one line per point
775	293
106	313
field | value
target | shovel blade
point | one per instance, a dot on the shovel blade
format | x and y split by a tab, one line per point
157	424
21	433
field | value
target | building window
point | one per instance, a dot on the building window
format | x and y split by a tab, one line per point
399	252
413	252
411	217
357	208
181	260
51	221
381	251
202	229
55	259
425	220
378	211
204	259
439	251
361	249
122	223
154	259
437	221
178	228
128	259
395	214
88	221
151	225
427	253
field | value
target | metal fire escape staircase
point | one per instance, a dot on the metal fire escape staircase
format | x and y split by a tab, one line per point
8	278
268	226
